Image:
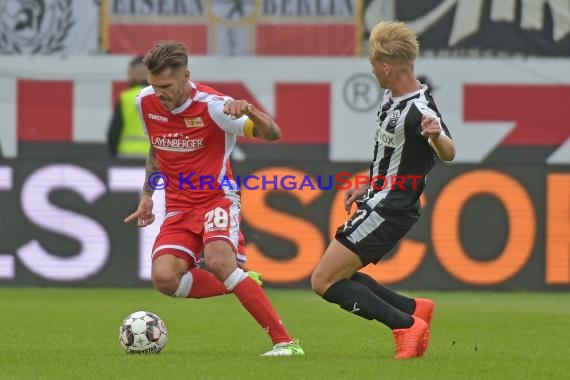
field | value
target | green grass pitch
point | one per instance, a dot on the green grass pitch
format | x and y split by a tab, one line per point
72	334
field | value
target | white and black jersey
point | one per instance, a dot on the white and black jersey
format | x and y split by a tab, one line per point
402	156
402	159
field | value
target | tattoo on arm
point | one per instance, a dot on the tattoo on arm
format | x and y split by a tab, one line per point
151	167
271	132
263	126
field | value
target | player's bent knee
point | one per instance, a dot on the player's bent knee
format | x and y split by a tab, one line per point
318	283
221	266
167	270
220	259
166	287
164	282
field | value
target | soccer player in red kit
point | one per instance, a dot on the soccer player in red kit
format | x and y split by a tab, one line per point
192	129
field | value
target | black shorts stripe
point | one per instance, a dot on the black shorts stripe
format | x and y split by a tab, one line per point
370	235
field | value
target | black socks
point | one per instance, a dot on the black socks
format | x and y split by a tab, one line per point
400	302
357	298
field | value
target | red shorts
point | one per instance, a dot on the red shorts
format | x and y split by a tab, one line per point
188	231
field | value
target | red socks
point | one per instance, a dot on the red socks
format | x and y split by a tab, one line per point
253	298
205	284
199	283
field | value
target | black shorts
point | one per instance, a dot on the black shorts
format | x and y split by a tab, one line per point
372	233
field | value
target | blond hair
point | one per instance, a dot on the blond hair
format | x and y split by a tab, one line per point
166	54
394	42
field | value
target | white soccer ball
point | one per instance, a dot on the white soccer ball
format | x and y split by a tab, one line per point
143	332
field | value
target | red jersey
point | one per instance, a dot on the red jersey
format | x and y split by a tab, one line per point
192	143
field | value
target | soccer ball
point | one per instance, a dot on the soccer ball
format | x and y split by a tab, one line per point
143	332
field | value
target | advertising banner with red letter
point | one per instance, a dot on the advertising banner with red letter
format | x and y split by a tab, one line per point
320	103
501	227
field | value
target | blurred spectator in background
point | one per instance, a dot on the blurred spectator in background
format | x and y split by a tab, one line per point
125	137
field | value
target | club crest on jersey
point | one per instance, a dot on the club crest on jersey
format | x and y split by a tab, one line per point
194	122
386	138
394	118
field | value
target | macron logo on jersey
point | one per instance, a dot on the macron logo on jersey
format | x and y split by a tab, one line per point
161	118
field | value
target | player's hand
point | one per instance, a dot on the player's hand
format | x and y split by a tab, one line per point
238	108
143	215
353	194
430	127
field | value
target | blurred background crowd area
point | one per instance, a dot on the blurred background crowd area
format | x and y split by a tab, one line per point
475	28
73	56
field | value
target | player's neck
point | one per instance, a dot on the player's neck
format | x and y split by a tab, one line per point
404	84
187	93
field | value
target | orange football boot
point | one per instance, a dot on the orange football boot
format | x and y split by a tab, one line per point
424	310
409	342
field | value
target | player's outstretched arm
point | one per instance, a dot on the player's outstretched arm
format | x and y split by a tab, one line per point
144	214
260	125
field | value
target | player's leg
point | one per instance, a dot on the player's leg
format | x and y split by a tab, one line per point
173	276
221	236
364	239
215	285
399	301
332	281
420	307
241	257
385	237
167	272
220	259
174	269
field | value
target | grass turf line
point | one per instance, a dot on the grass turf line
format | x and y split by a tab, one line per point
73	333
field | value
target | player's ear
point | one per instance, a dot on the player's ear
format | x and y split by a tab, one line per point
186	75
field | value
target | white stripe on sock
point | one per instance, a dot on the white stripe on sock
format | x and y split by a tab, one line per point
235	278
185	285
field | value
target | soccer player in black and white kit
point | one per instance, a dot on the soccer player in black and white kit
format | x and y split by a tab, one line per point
410	136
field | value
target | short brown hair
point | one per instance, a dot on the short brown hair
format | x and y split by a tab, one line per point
395	42
165	55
